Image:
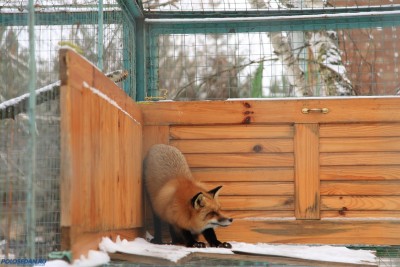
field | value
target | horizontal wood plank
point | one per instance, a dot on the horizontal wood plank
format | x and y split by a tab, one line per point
234	145
360	188
363	109
360	158
249	203
259	214
370	214
366	173
240	160
360	130
327	231
254	188
367	144
244	174
231	131
364	203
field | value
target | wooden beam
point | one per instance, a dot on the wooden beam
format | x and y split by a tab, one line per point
270	111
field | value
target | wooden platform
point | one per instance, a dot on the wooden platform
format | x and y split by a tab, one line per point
203	259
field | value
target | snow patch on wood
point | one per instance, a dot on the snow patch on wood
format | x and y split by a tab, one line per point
174	253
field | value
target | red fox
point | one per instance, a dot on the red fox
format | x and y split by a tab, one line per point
181	201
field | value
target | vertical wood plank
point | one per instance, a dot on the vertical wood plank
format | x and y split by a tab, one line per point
154	135
307	194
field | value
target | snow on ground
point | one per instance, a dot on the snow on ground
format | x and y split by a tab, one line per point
174	253
317	253
94	258
140	246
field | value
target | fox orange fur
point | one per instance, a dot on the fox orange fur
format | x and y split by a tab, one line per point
181	201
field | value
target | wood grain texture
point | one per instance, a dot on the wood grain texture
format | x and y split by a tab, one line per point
361	203
101	151
307	191
254	188
360	158
234	145
244	174
240	160
362	173
360	214
361	188
259	214
244	112
335	231
356	129
251	203
360	144
154	135
232	131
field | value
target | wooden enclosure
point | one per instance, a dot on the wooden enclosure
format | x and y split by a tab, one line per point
319	171
291	177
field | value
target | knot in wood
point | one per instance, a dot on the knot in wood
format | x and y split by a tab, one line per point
257	148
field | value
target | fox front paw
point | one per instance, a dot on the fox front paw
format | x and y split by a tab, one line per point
198	245
224	245
156	241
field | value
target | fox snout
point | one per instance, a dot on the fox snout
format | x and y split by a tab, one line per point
225	222
220	222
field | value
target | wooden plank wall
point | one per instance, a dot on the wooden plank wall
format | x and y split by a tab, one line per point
360	170
291	177
248	160
101	158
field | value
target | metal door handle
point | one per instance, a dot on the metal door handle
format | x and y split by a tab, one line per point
316	110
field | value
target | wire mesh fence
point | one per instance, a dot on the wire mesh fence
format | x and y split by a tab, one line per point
14	157
57	24
324	62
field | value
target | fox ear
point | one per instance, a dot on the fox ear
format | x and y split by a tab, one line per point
215	192
197	201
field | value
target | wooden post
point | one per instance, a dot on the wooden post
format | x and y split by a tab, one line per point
306	149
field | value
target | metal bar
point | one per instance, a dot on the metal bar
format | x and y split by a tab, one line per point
132	7
152	74
159	14
268	24
100	36
140	39
128	59
133	11
31	157
58	18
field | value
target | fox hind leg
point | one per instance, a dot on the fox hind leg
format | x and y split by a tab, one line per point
157	230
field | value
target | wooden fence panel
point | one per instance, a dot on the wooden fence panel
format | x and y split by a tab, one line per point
101	147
